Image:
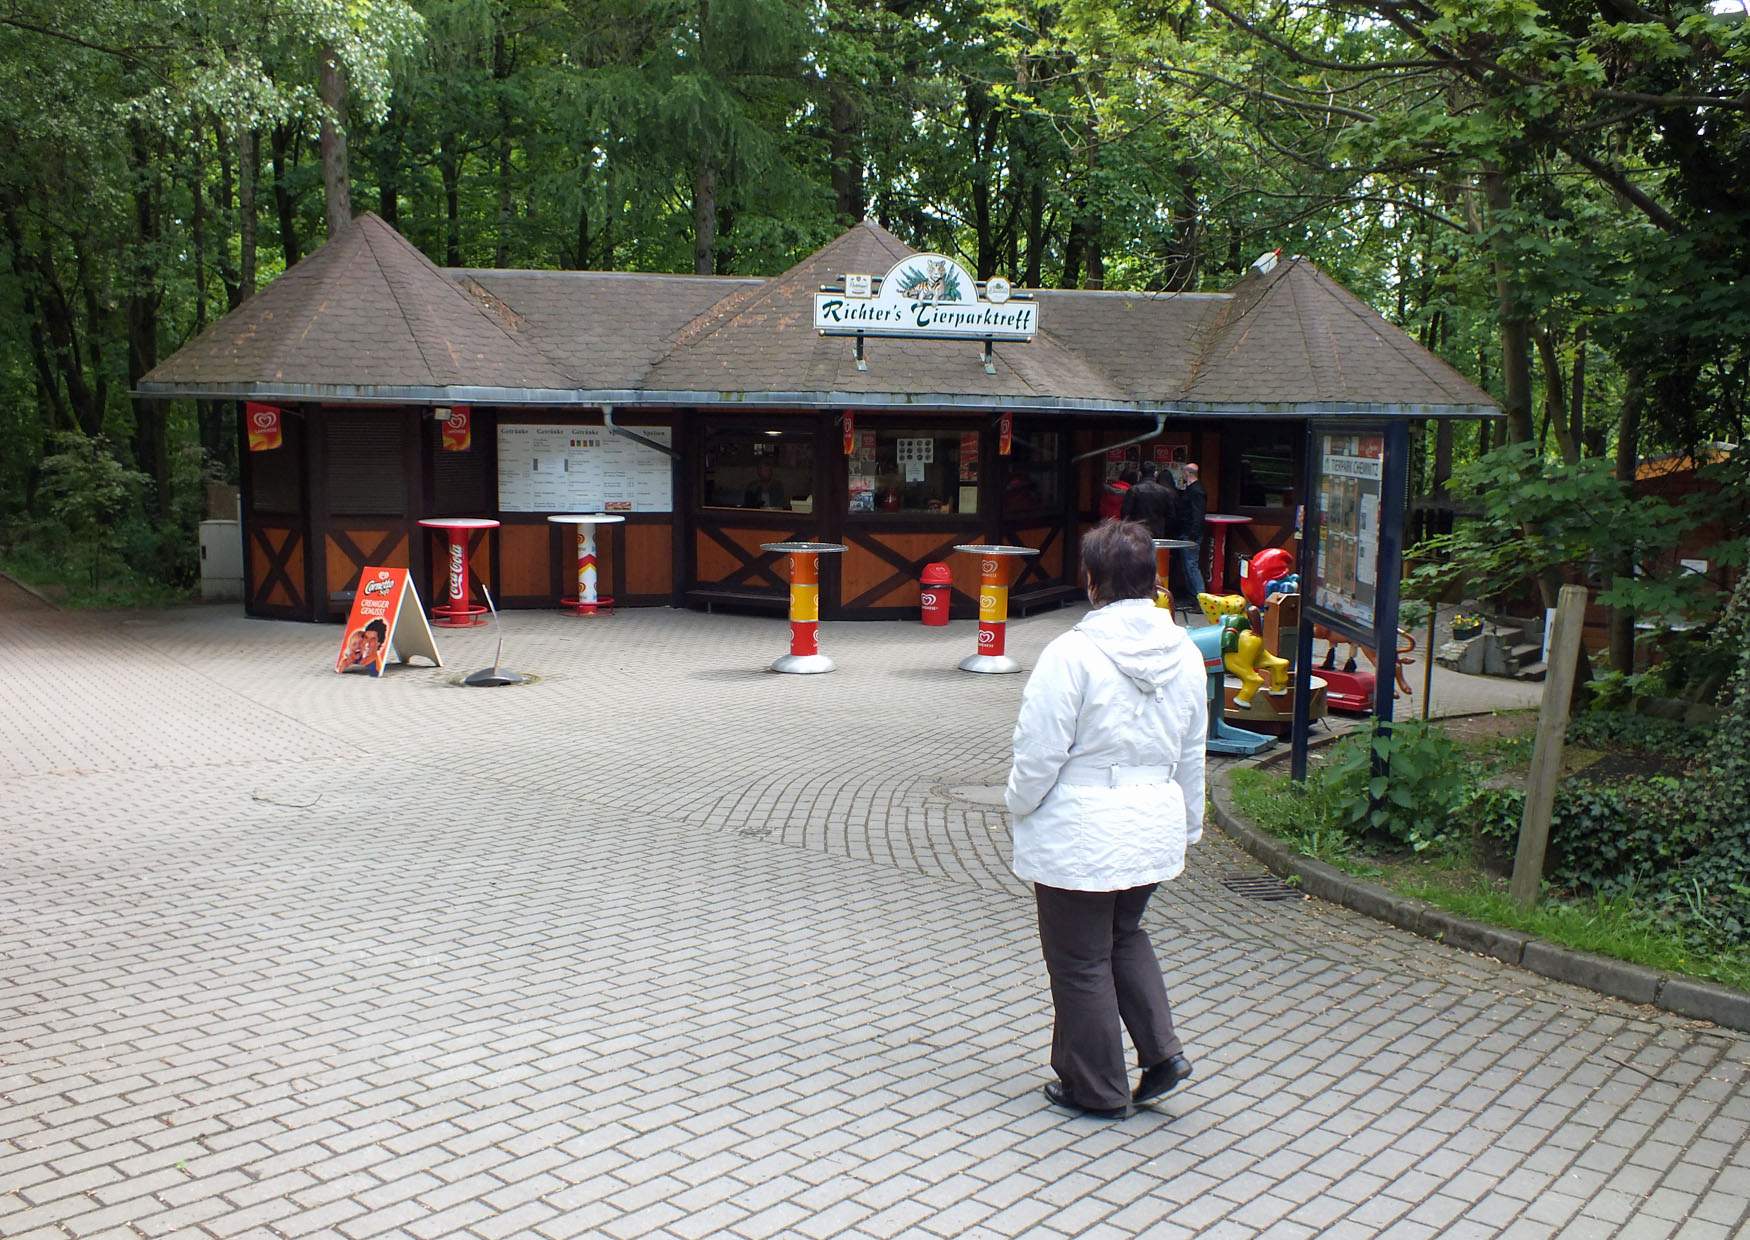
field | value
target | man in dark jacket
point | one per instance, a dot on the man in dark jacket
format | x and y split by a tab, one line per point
1193	504
1154	505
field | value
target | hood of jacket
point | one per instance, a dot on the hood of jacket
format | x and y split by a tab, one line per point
1141	639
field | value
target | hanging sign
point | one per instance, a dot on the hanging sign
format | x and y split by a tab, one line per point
1005	434
265	430
458	430
929	296
385	615
850	421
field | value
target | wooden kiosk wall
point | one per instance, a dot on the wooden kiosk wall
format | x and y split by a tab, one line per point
349	485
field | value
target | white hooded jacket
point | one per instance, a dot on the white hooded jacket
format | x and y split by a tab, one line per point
1107	782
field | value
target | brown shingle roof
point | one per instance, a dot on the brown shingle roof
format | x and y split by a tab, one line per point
365	311
369	316
1294	336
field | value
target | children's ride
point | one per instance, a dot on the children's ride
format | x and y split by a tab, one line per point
1242	650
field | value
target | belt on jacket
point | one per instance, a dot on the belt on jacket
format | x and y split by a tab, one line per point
1111	775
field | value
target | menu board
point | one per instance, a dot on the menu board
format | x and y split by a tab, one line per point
1350	474
582	469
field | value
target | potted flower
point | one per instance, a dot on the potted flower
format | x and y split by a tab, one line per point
1466	624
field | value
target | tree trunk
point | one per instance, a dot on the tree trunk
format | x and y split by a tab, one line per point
450	169
389	169
1628	437
1577	393
284	143
1555	396
1442	456
227	216
844	151
151	444
704	216
336	183
248	176
506	201
1515	329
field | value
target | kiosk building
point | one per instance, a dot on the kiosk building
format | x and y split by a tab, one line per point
869	395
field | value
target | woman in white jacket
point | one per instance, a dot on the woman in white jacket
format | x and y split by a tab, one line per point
1107	792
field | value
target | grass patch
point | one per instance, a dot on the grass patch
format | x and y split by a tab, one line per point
66	582
1619	928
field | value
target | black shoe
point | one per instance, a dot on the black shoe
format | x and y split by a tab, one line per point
1058	1096
1161	1078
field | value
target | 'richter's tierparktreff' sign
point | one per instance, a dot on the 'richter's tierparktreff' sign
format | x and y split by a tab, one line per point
926	295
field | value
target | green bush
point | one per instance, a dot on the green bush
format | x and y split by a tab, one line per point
1412	803
1619	729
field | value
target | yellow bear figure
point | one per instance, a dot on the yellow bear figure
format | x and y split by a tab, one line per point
1242	651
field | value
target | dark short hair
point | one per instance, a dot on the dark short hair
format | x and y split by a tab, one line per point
379	628
1119	557
1149	470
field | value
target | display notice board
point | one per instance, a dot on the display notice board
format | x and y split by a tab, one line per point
1349	477
582	469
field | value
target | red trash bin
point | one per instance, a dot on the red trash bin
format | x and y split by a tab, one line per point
936	592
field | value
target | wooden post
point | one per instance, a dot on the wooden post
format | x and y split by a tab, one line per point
1546	756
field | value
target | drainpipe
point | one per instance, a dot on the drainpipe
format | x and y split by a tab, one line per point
1160	425
634	436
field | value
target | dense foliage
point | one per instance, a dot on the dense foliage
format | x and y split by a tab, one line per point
1557	199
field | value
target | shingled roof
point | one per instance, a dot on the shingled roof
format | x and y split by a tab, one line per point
1294	336
366	314
368	317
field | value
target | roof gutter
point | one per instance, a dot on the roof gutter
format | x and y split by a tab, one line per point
634	436
1160	425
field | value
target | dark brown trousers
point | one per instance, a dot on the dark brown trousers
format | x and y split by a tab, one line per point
1103	973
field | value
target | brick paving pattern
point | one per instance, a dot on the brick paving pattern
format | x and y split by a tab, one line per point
663	945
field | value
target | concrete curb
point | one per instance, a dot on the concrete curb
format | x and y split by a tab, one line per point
1684	996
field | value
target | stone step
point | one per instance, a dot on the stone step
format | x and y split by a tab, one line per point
1532	671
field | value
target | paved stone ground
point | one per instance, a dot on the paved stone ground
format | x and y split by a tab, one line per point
665	945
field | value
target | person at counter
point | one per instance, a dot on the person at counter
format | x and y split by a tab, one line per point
1153	505
1193	504
765	491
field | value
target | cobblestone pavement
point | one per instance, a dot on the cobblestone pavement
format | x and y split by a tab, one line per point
666	945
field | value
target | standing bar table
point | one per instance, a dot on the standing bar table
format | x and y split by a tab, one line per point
994	572
458	611
804	656
1218	523
587	602
1164	548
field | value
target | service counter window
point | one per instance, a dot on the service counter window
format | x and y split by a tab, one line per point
1034	477
759	469
1266	474
913	471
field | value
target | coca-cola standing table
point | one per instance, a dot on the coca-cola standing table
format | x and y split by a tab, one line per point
587	602
995	568
1218	523
804	656
458	610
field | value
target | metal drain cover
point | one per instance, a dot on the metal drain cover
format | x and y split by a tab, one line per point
1261	887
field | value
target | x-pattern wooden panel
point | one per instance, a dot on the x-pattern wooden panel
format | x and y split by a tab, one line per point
751	561
1032	570
906	570
388	543
277	574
